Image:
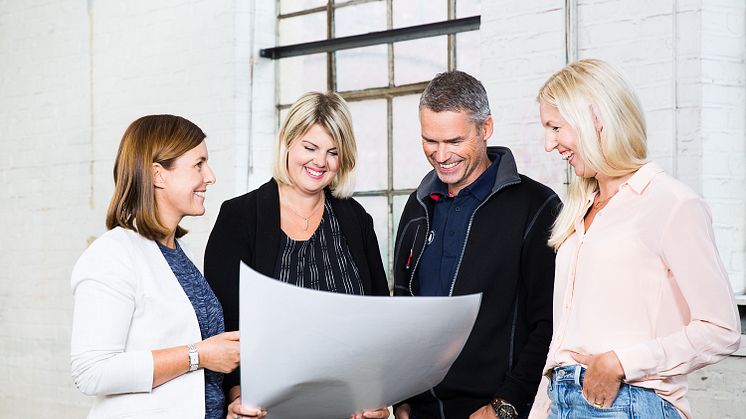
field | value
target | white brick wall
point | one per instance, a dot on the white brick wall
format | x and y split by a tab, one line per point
73	74
723	130
44	151
522	44
686	62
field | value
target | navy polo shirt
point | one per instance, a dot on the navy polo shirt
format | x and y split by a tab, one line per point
445	240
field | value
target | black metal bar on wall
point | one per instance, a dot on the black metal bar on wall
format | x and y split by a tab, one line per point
374	38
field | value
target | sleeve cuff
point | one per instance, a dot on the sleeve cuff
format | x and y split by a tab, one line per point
514	393
633	361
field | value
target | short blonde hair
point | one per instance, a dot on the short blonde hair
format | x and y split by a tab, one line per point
329	111
151	139
584	92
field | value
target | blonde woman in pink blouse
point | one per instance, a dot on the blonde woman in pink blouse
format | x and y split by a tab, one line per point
641	298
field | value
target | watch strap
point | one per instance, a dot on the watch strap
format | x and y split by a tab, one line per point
503	409
193	357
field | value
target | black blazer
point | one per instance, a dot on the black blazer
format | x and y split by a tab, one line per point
248	230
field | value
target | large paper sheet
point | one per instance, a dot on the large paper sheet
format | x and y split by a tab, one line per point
320	355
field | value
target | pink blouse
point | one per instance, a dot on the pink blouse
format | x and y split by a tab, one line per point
647	282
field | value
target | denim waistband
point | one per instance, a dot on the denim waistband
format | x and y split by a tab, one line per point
574	373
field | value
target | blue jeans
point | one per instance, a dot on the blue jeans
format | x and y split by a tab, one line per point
565	390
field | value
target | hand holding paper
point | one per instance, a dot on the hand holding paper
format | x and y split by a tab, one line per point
315	354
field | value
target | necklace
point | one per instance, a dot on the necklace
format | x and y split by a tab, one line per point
602	202
305	219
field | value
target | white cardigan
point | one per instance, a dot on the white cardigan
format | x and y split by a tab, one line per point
127	303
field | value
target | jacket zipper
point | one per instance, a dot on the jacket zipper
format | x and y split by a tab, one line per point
468	231
458	266
419	256
441	410
411	249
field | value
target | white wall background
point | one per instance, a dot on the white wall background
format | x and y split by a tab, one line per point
686	60
73	74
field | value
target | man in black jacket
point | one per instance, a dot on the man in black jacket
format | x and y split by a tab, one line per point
476	225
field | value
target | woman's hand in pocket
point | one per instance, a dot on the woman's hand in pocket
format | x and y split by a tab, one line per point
603	376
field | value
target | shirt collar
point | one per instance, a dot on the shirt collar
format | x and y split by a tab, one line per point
640	180
637	182
480	188
439	189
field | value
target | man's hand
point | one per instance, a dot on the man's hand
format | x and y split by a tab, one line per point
380	413
402	412
485	412
603	376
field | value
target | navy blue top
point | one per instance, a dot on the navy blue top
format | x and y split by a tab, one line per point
445	240
209	314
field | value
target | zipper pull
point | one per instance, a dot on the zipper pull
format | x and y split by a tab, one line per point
409	259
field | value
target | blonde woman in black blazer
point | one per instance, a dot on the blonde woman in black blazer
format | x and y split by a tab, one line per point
304	214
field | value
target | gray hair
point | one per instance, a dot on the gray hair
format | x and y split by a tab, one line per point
457	91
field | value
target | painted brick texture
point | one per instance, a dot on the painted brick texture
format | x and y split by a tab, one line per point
73	74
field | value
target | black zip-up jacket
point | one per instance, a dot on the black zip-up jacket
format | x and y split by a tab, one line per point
507	259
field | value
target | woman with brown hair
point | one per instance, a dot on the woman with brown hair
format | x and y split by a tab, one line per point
148	333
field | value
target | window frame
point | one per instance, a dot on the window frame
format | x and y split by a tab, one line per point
450	28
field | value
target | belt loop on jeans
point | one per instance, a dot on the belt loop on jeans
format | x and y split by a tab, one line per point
578	368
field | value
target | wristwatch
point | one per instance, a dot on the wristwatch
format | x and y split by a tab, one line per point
193	357
503	409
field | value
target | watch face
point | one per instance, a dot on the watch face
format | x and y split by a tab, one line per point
506	412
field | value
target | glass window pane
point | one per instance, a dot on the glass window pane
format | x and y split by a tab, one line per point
378	208
410	164
467	53
302	74
467	8
290	6
417	12
305	28
362	68
360	18
419	60
369	123
281	117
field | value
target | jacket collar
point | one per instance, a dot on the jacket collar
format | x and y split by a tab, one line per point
507	173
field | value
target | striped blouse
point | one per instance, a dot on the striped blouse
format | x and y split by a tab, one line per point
323	262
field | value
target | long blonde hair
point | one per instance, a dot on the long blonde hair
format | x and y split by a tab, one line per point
585	93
